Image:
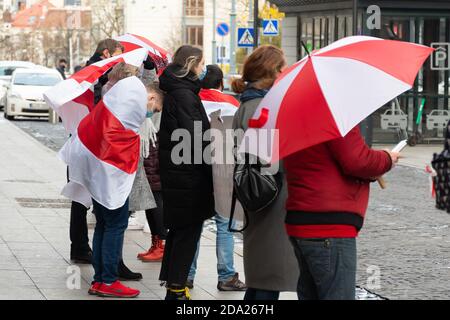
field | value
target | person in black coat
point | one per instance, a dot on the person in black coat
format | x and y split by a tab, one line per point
187	187
62	65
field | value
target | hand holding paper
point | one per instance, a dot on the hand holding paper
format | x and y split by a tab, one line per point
395	155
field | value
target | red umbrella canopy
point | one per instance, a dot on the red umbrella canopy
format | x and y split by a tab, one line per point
160	57
330	91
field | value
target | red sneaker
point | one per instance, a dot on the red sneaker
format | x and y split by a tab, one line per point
93	289
117	290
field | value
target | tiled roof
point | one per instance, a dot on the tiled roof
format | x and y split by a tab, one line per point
33	16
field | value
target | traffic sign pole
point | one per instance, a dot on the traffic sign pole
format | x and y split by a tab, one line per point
255	23
233	37
214	42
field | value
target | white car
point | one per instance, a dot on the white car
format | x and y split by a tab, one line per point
25	93
6	70
437	119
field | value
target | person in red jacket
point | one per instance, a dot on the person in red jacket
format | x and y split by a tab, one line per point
328	187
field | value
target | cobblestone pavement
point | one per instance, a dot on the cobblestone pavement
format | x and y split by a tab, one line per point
405	239
405	242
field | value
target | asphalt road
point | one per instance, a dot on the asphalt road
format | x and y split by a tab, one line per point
51	135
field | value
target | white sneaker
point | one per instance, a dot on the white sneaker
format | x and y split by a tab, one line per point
133	223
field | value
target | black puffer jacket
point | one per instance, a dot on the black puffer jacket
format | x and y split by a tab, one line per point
187	188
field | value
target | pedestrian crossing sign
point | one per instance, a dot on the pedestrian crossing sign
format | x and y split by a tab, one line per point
246	37
270	27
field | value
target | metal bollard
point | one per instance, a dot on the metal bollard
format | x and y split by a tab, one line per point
52	116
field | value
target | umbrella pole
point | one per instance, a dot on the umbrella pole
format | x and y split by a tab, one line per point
381	182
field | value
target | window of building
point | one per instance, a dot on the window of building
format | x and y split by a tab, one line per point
194	8
72	2
194	35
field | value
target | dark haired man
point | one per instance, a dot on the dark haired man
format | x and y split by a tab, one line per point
62	65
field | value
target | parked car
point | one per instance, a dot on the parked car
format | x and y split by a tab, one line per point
438	119
6	70
25	93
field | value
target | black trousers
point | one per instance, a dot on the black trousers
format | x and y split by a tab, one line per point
179	252
155	217
78	229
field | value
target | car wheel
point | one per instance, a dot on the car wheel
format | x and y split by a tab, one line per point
8	117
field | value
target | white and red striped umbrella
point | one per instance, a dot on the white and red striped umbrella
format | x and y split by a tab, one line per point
214	100
330	91
73	98
103	154
160	57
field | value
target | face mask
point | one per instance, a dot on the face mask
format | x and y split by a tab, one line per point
203	74
149	114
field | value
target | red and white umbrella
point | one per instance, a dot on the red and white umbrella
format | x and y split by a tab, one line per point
160	57
330	91
73	98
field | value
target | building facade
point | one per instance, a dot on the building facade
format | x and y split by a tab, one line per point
320	22
174	22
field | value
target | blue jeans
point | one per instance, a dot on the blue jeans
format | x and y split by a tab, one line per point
224	251
327	268
108	241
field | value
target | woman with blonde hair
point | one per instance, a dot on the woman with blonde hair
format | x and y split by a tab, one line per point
187	187
269	260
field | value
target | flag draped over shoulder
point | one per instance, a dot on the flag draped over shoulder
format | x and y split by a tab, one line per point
214	100
73	98
103	153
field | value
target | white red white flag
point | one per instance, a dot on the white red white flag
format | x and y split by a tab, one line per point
160	57
73	98
214	100
103	153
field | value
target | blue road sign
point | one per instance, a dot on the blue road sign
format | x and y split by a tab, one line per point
223	29
270	27
246	37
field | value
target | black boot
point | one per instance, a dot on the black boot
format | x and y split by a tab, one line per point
177	293
125	274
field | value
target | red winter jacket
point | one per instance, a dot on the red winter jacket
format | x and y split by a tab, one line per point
328	185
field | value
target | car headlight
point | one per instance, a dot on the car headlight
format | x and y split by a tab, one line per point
15	96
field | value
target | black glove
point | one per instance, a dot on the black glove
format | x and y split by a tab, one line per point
149	64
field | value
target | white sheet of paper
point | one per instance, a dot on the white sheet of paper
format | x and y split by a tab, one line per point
399	147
